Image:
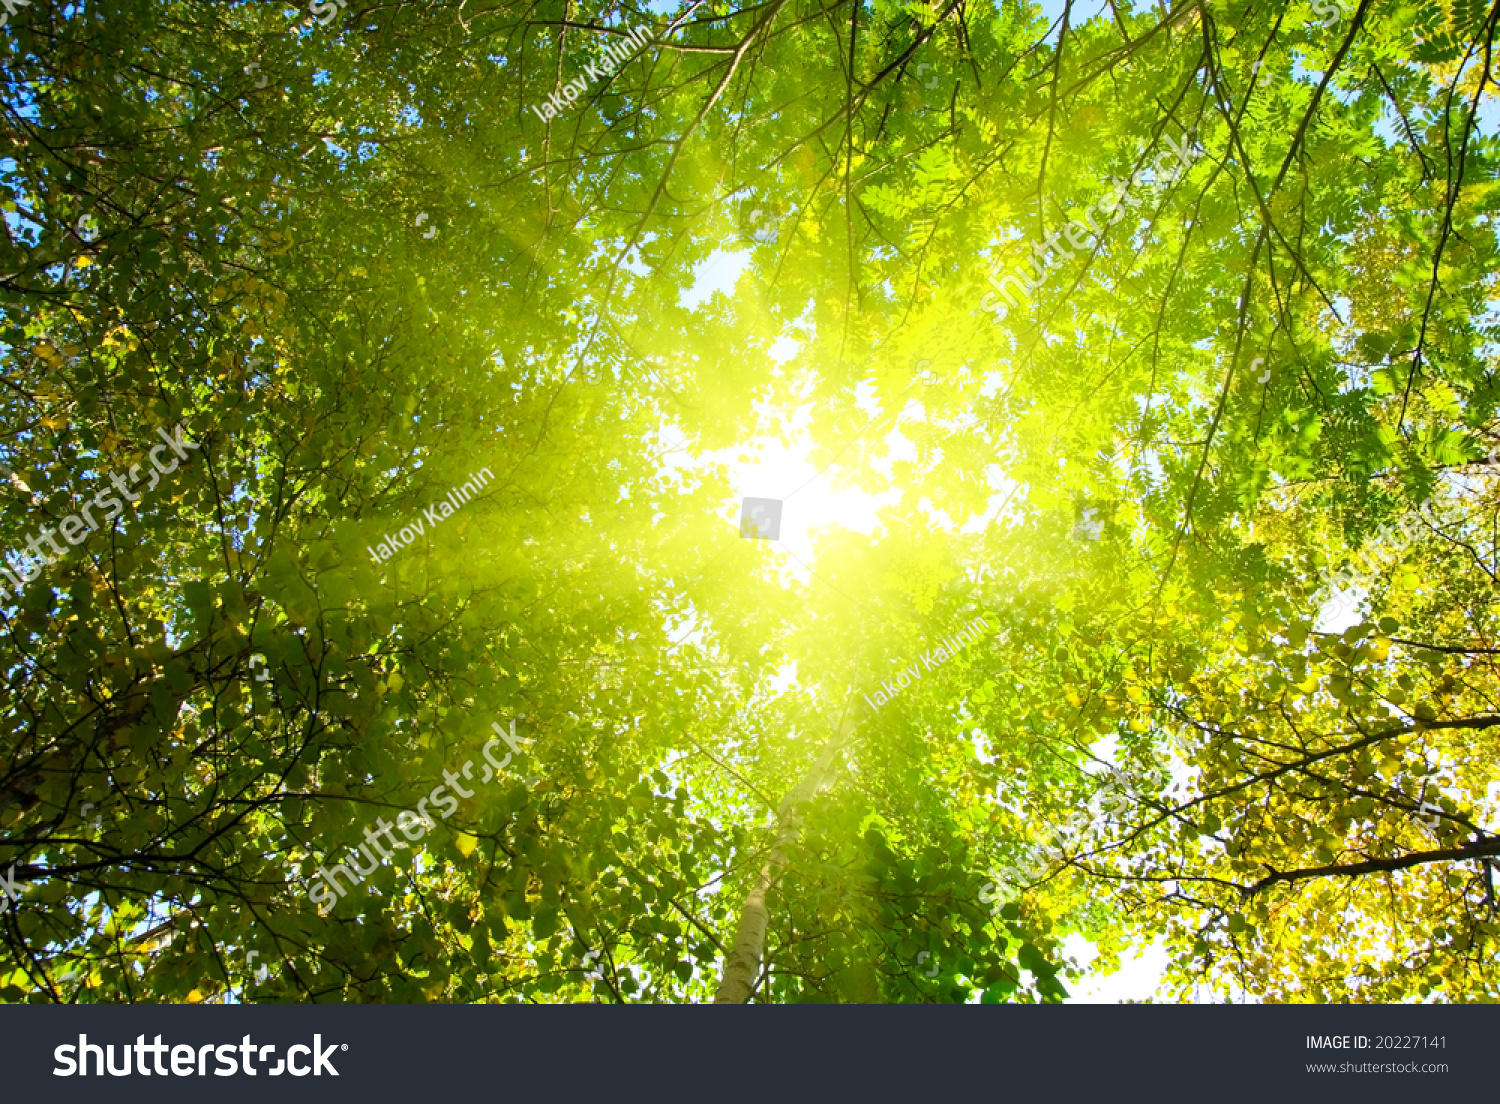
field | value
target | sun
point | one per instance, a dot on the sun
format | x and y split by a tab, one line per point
812	496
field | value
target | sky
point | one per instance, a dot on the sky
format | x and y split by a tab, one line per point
1137	979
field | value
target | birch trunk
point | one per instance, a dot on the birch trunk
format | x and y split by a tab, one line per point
742	964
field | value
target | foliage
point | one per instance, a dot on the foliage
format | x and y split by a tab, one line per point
357	269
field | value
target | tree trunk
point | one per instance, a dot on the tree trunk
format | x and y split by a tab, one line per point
742	964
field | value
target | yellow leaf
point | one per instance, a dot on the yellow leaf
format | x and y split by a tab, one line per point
466	843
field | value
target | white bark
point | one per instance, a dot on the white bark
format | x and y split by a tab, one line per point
742	964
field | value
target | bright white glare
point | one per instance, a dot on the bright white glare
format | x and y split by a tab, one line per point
1138	977
785	678
783	349
1340	611
811	497
817	496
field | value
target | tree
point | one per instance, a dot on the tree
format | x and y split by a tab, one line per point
339	259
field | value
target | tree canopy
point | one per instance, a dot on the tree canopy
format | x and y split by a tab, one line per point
1188	543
